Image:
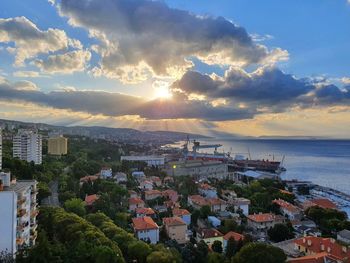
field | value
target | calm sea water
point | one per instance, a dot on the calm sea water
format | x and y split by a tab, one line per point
324	162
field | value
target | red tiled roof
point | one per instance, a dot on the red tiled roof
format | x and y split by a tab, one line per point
316	258
215	201
173	221
180	212
324	203
89	178
90	199
205	186
268	217
234	235
286	205
135	200
153	192
285	192
144	223
328	245
145	211
198	199
209	233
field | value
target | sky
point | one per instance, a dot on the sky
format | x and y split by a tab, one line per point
246	67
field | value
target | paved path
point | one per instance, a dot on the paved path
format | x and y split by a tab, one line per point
52	200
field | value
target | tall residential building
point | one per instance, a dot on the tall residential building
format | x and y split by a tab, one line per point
0	149
57	145
18	211
27	146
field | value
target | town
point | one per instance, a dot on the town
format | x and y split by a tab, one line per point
119	203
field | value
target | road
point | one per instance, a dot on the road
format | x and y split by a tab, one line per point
52	200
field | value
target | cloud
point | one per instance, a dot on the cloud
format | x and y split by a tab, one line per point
29	40
268	89
116	104
65	63
26	74
148	37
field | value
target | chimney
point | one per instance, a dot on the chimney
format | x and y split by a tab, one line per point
304	240
309	242
344	249
329	249
332	240
322	247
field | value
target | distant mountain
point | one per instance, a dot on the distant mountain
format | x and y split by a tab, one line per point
98	132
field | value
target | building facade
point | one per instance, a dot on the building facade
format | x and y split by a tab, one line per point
150	160
0	149
57	145
18	211
27	146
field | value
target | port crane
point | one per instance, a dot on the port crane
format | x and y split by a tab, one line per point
196	146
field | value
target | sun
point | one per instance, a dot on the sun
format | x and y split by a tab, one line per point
162	92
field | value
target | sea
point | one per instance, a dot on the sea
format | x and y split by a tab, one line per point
323	162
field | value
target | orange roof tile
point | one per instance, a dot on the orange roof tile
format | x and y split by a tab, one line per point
198	199
88	178
215	201
135	200
205	186
144	223
268	217
328	245
153	192
324	203
234	235
173	221
316	258
286	205
209	233
145	211
90	199
285	192
180	212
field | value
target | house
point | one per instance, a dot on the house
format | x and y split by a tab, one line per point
135	203
228	195
288	210
106	173
170	204
264	221
176	229
121	178
314	245
168	180
196	201
216	204
171	195
132	194
241	204
146	229
344	236
314	258
184	214
145	211
209	235
138	175
156	181
90	199
236	236
320	202
152	194
306	228
88	178
146	185
207	190
214	221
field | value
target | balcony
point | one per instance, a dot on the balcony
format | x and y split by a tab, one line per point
19	241
21	212
21	201
34	235
34	213
20	227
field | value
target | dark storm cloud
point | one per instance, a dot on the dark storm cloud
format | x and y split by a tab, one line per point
267	87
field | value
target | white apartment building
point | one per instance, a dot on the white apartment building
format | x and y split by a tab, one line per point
18	211
0	149
27	146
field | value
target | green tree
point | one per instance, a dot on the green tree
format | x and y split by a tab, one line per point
280	232
43	191
215	258
104	254
75	205
259	253
139	251
217	246
205	211
231	247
